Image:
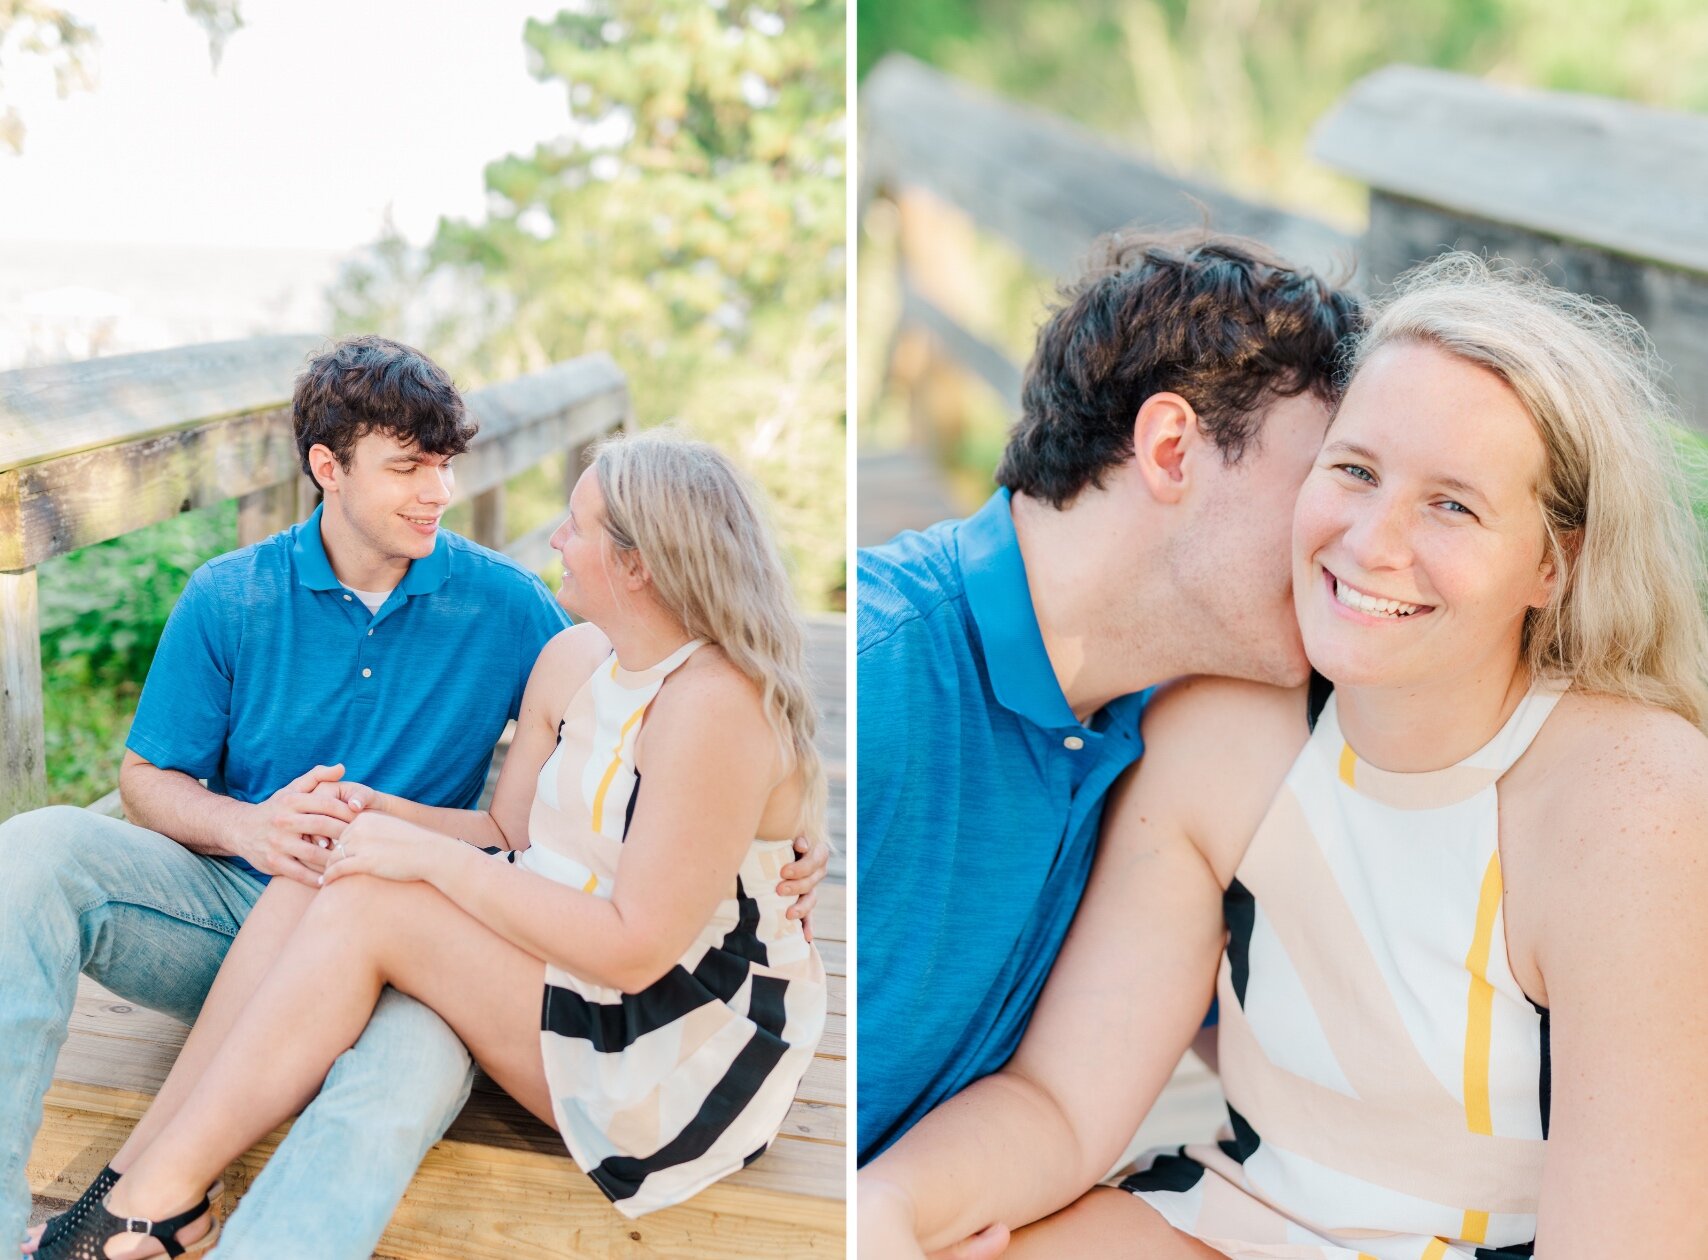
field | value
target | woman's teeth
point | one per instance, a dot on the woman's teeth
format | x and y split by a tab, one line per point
1370	604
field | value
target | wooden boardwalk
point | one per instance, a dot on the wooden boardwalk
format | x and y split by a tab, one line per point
499	1184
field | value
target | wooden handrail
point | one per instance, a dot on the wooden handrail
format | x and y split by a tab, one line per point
1622	177
1046	185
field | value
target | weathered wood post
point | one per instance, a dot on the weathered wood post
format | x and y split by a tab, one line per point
1606	197
23	781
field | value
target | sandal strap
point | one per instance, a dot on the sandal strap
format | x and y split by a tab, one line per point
165	1231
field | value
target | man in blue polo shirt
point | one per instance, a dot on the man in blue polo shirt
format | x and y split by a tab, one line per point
1173	404
368	643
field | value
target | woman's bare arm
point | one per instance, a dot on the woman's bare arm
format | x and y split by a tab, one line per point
1621	944
707	738
1123	1001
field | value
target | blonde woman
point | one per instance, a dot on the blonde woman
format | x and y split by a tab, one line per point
623	966
1452	909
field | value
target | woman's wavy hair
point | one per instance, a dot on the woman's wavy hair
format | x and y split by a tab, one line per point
697	525
1626	618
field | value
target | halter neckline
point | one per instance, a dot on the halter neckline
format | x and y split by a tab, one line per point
1422	789
659	668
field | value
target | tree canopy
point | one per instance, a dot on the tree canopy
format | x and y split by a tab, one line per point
689	221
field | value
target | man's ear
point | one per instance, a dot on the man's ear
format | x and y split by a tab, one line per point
1165	435
325	467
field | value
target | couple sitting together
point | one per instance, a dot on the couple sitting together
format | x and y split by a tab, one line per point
1403	607
626	961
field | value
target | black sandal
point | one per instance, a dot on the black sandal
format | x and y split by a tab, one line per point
104	1181
88	1237
57	1224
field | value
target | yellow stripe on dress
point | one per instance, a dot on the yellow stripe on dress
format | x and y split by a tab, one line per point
1479	1013
1348	759
1476	1227
611	770
1436	1249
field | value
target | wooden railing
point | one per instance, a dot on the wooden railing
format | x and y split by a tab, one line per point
90	451
1608	198
1605	197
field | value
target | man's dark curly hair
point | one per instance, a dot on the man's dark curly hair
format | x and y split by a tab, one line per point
370	384
1219	320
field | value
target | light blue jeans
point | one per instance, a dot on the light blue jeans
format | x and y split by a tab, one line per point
151	921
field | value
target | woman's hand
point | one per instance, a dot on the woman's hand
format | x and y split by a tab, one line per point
381	844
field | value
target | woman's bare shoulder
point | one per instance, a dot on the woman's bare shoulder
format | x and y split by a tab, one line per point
1216	752
1201	700
1604	757
567	661
710	691
1615	811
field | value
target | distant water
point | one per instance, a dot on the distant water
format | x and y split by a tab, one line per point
61	302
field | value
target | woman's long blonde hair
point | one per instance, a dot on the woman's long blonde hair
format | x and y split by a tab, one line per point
1626	618
697	526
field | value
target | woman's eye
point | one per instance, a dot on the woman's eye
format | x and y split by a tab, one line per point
1453	505
1357	470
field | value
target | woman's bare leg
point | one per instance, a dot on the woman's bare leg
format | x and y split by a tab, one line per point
258	943
358	935
1110	1224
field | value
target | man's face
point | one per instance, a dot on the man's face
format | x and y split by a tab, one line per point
1232	563
392	496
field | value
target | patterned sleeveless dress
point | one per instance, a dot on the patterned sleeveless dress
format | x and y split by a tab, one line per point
660	1093
1386	1078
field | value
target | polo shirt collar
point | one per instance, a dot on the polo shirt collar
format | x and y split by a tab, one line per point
314	569
1000	600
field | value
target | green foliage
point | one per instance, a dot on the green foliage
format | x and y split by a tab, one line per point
689	223
102	613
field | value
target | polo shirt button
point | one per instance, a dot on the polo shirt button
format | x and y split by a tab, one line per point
367	673
346	599
370	634
1073	742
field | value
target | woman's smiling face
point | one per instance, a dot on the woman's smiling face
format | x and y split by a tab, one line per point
1418	540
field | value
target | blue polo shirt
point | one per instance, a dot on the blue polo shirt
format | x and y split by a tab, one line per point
979	803
269	666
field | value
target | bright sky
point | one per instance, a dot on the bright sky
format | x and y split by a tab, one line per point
322	114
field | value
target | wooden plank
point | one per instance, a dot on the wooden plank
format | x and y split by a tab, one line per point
54	505
1048	186
988	362
263	513
514	441
474	1201
71	502
50	412
488	525
1670	303
1622	177
899	490
23	778
525	401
